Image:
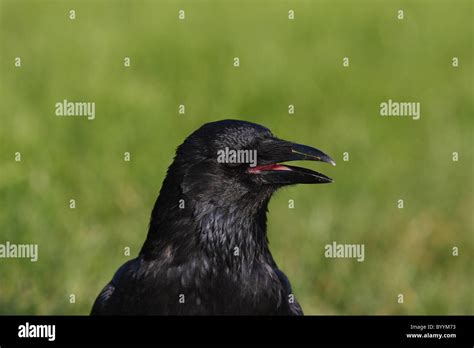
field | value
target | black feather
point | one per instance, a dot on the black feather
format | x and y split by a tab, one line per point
190	253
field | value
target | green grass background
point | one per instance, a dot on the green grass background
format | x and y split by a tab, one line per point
408	251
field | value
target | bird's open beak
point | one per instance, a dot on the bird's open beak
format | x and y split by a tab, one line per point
274	151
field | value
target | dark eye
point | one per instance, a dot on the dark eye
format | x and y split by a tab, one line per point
234	158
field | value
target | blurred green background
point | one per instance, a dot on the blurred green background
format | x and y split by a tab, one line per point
407	251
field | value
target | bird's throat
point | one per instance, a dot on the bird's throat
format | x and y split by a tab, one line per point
234	237
233	234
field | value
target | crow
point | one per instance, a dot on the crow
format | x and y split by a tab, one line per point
206	252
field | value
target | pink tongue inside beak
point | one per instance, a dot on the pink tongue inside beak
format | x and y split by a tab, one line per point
268	167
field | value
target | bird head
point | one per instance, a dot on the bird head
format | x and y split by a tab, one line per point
220	182
238	157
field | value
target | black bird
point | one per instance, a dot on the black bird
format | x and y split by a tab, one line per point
206	252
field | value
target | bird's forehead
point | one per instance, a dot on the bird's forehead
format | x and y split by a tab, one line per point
242	135
234	134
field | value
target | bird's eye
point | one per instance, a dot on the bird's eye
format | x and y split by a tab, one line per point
233	158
